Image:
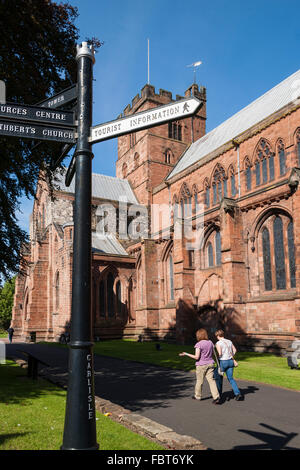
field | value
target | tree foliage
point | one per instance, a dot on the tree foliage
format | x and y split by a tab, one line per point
37	59
6	303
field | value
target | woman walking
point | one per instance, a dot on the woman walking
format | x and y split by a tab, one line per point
204	349
226	352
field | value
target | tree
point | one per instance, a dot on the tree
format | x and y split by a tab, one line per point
37	59
7	302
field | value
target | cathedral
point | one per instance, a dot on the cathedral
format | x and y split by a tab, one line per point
196	229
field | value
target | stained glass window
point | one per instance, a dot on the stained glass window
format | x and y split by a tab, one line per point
279	254
233	188
171	277
248	177
267	259
218	248
225	188
257	173
210	254
207	197
291	247
264	170
214	194
271	167
281	155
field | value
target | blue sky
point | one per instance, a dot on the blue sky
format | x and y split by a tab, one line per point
246	49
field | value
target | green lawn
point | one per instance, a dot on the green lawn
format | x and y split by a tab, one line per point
32	417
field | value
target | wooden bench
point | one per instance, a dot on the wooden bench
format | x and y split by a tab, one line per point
33	363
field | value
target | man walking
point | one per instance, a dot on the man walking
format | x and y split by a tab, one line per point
10	332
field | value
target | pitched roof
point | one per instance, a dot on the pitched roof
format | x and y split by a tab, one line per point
103	187
107	244
275	99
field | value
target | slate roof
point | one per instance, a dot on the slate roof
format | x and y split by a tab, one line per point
103	187
107	244
275	99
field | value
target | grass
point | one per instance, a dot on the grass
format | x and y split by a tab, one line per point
3	333
32	417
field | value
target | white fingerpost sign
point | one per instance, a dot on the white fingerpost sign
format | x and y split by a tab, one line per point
145	119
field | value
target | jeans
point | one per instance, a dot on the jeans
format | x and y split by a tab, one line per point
227	366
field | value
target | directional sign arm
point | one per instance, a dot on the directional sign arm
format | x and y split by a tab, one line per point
65	150
146	119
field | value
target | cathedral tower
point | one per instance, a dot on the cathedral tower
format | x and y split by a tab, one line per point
146	157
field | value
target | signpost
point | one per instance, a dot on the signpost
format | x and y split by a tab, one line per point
145	119
45	122
60	99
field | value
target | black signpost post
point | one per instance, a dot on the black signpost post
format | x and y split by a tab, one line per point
80	422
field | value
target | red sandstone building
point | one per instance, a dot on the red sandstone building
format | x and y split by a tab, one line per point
237	186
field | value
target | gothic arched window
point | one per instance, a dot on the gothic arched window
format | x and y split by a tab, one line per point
168	156
206	194
219	184
278	261
248	174
264	163
210	255
281	156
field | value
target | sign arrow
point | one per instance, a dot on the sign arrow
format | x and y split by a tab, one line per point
37	114
145	119
14	128
60	99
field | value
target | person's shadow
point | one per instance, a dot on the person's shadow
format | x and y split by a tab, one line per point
269	440
229	395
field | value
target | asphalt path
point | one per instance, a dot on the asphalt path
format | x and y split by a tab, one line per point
268	418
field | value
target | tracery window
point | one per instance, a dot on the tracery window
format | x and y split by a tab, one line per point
109	295
264	163
213	249
185	201
279	270
219	184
